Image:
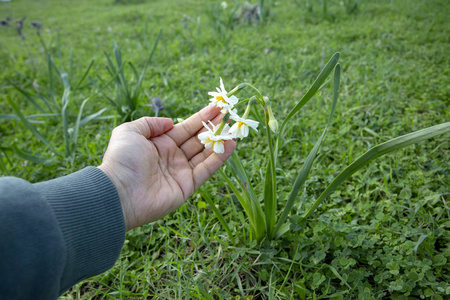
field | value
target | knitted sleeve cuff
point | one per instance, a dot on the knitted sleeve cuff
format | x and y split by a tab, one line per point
87	207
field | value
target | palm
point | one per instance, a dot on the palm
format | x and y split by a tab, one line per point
168	178
155	173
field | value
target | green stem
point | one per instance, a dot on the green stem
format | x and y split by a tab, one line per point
271	208
222	124
243	85
249	106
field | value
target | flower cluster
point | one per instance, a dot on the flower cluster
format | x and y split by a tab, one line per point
214	136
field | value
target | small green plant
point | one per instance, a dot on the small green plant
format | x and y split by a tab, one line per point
265	220
326	10
222	17
52	108
126	99
351	6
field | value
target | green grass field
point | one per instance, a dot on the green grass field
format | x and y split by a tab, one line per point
384	234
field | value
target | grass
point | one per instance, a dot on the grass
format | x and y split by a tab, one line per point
383	234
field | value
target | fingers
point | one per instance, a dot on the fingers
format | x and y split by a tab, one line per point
188	128
149	127
193	145
206	165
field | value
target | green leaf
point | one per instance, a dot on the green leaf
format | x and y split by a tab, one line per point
216	212
252	209
84	76
336	273
377	151
281	230
149	58
30	126
64	114
2	163
79	123
28	96
202	205
313	89
303	174
420	241
10	117
251	200
33	157
92	117
270	188
235	163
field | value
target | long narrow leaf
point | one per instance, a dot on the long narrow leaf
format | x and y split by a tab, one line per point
84	76
100	89
245	185
29	117
242	175
92	117
42	115
112	68
33	157
252	209
124	84
282	230
244	203
314	87
133	68
27	95
377	151
30	126
64	114
216	212
77	124
50	79
303	174
309	94
270	186
149	58
2	163
9	116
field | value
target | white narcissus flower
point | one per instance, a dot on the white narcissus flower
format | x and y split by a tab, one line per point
240	129
220	99
216	142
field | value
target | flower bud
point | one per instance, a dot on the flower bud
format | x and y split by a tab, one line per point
273	123
236	89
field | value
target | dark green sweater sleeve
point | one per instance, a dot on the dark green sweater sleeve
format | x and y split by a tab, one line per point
55	233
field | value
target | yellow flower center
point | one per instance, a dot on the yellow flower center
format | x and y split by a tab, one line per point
220	98
240	124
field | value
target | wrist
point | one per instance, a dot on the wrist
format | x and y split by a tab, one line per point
121	191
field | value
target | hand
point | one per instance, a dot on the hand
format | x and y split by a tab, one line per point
155	166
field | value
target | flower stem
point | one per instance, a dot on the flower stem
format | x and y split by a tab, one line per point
270	194
222	124
249	107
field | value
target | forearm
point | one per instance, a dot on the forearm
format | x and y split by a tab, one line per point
72	226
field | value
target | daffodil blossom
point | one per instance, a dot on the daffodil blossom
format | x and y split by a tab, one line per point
240	129
211	140
220	99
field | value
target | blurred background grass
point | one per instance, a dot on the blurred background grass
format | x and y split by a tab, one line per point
395	79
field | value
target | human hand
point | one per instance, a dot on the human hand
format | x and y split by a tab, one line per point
155	166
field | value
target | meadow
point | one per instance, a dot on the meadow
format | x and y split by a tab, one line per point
88	66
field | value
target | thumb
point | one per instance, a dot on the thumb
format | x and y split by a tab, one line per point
151	127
